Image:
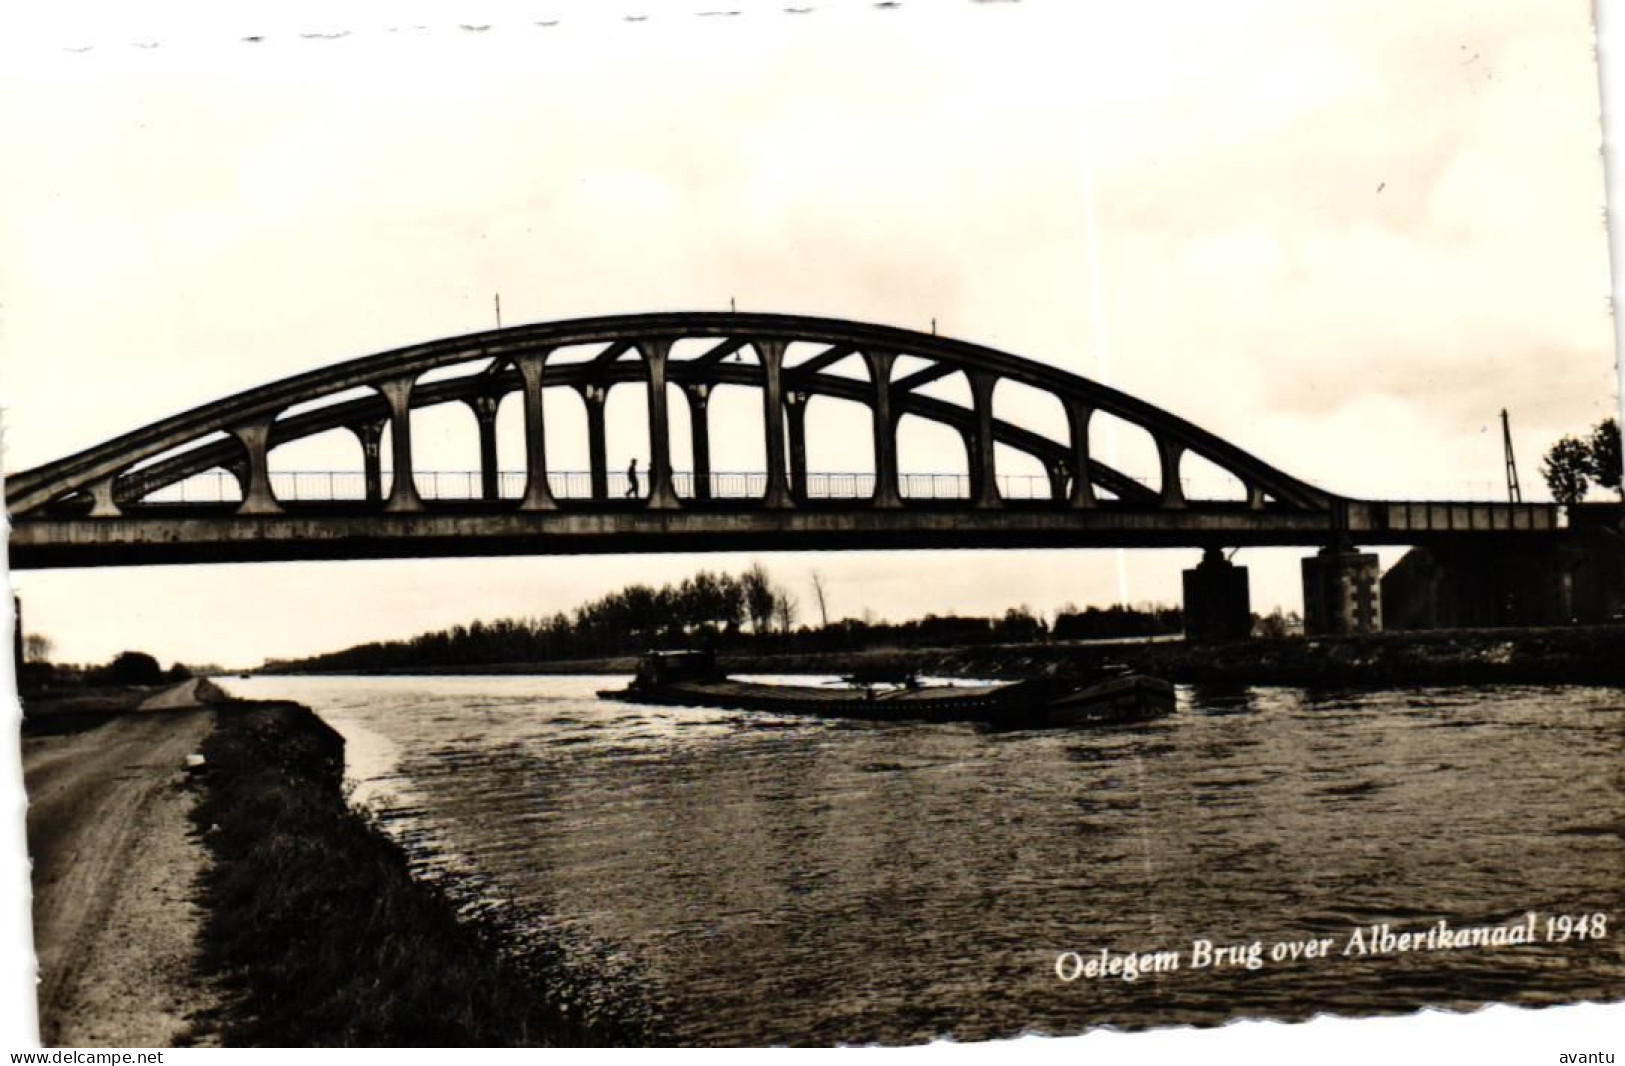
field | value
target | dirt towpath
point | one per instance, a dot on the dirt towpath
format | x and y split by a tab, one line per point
198	692
114	869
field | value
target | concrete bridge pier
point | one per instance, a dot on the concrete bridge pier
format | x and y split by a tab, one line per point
1342	593
1218	603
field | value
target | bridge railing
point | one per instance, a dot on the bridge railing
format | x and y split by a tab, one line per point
295	486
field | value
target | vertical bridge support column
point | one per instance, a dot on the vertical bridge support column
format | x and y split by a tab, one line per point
985	471
485	414
699	431
1057	473
371	435
973	460
102	503
1078	414
538	494
795	411
1173	491
1341	593
403	492
256	441
661	496
594	396
885	428
1218	604
772	355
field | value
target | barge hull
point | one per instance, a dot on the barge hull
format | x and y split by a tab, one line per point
1021	704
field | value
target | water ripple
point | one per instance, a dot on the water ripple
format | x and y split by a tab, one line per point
788	880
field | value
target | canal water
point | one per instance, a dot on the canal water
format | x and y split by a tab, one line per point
763	879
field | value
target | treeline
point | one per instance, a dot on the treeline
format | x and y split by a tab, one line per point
1573	464
125	668
707	607
744	614
1098	623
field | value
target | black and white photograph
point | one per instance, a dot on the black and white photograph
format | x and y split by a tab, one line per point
814	525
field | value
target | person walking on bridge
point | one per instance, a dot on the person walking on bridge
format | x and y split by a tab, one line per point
632	479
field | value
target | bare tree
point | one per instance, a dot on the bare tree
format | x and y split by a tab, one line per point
758	596
784	609
37	648
823	604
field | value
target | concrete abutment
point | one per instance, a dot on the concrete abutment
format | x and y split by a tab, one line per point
1342	593
1581	581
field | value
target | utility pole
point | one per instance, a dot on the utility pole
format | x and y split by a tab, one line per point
1514	493
498	300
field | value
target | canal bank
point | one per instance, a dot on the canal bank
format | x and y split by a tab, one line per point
320	934
201	877
1576	655
1592	655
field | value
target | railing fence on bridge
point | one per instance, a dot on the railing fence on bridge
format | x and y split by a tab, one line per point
295	486
313	486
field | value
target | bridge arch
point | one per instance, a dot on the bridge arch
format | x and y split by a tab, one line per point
660	356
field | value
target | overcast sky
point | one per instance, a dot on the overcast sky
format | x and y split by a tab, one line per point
1342	235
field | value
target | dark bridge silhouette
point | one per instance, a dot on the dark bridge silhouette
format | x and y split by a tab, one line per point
115	504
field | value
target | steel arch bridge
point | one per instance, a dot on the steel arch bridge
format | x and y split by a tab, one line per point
105	505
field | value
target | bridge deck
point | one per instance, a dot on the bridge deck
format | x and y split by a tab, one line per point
475	528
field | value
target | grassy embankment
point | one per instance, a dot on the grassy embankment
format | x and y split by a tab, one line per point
317	930
55	714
